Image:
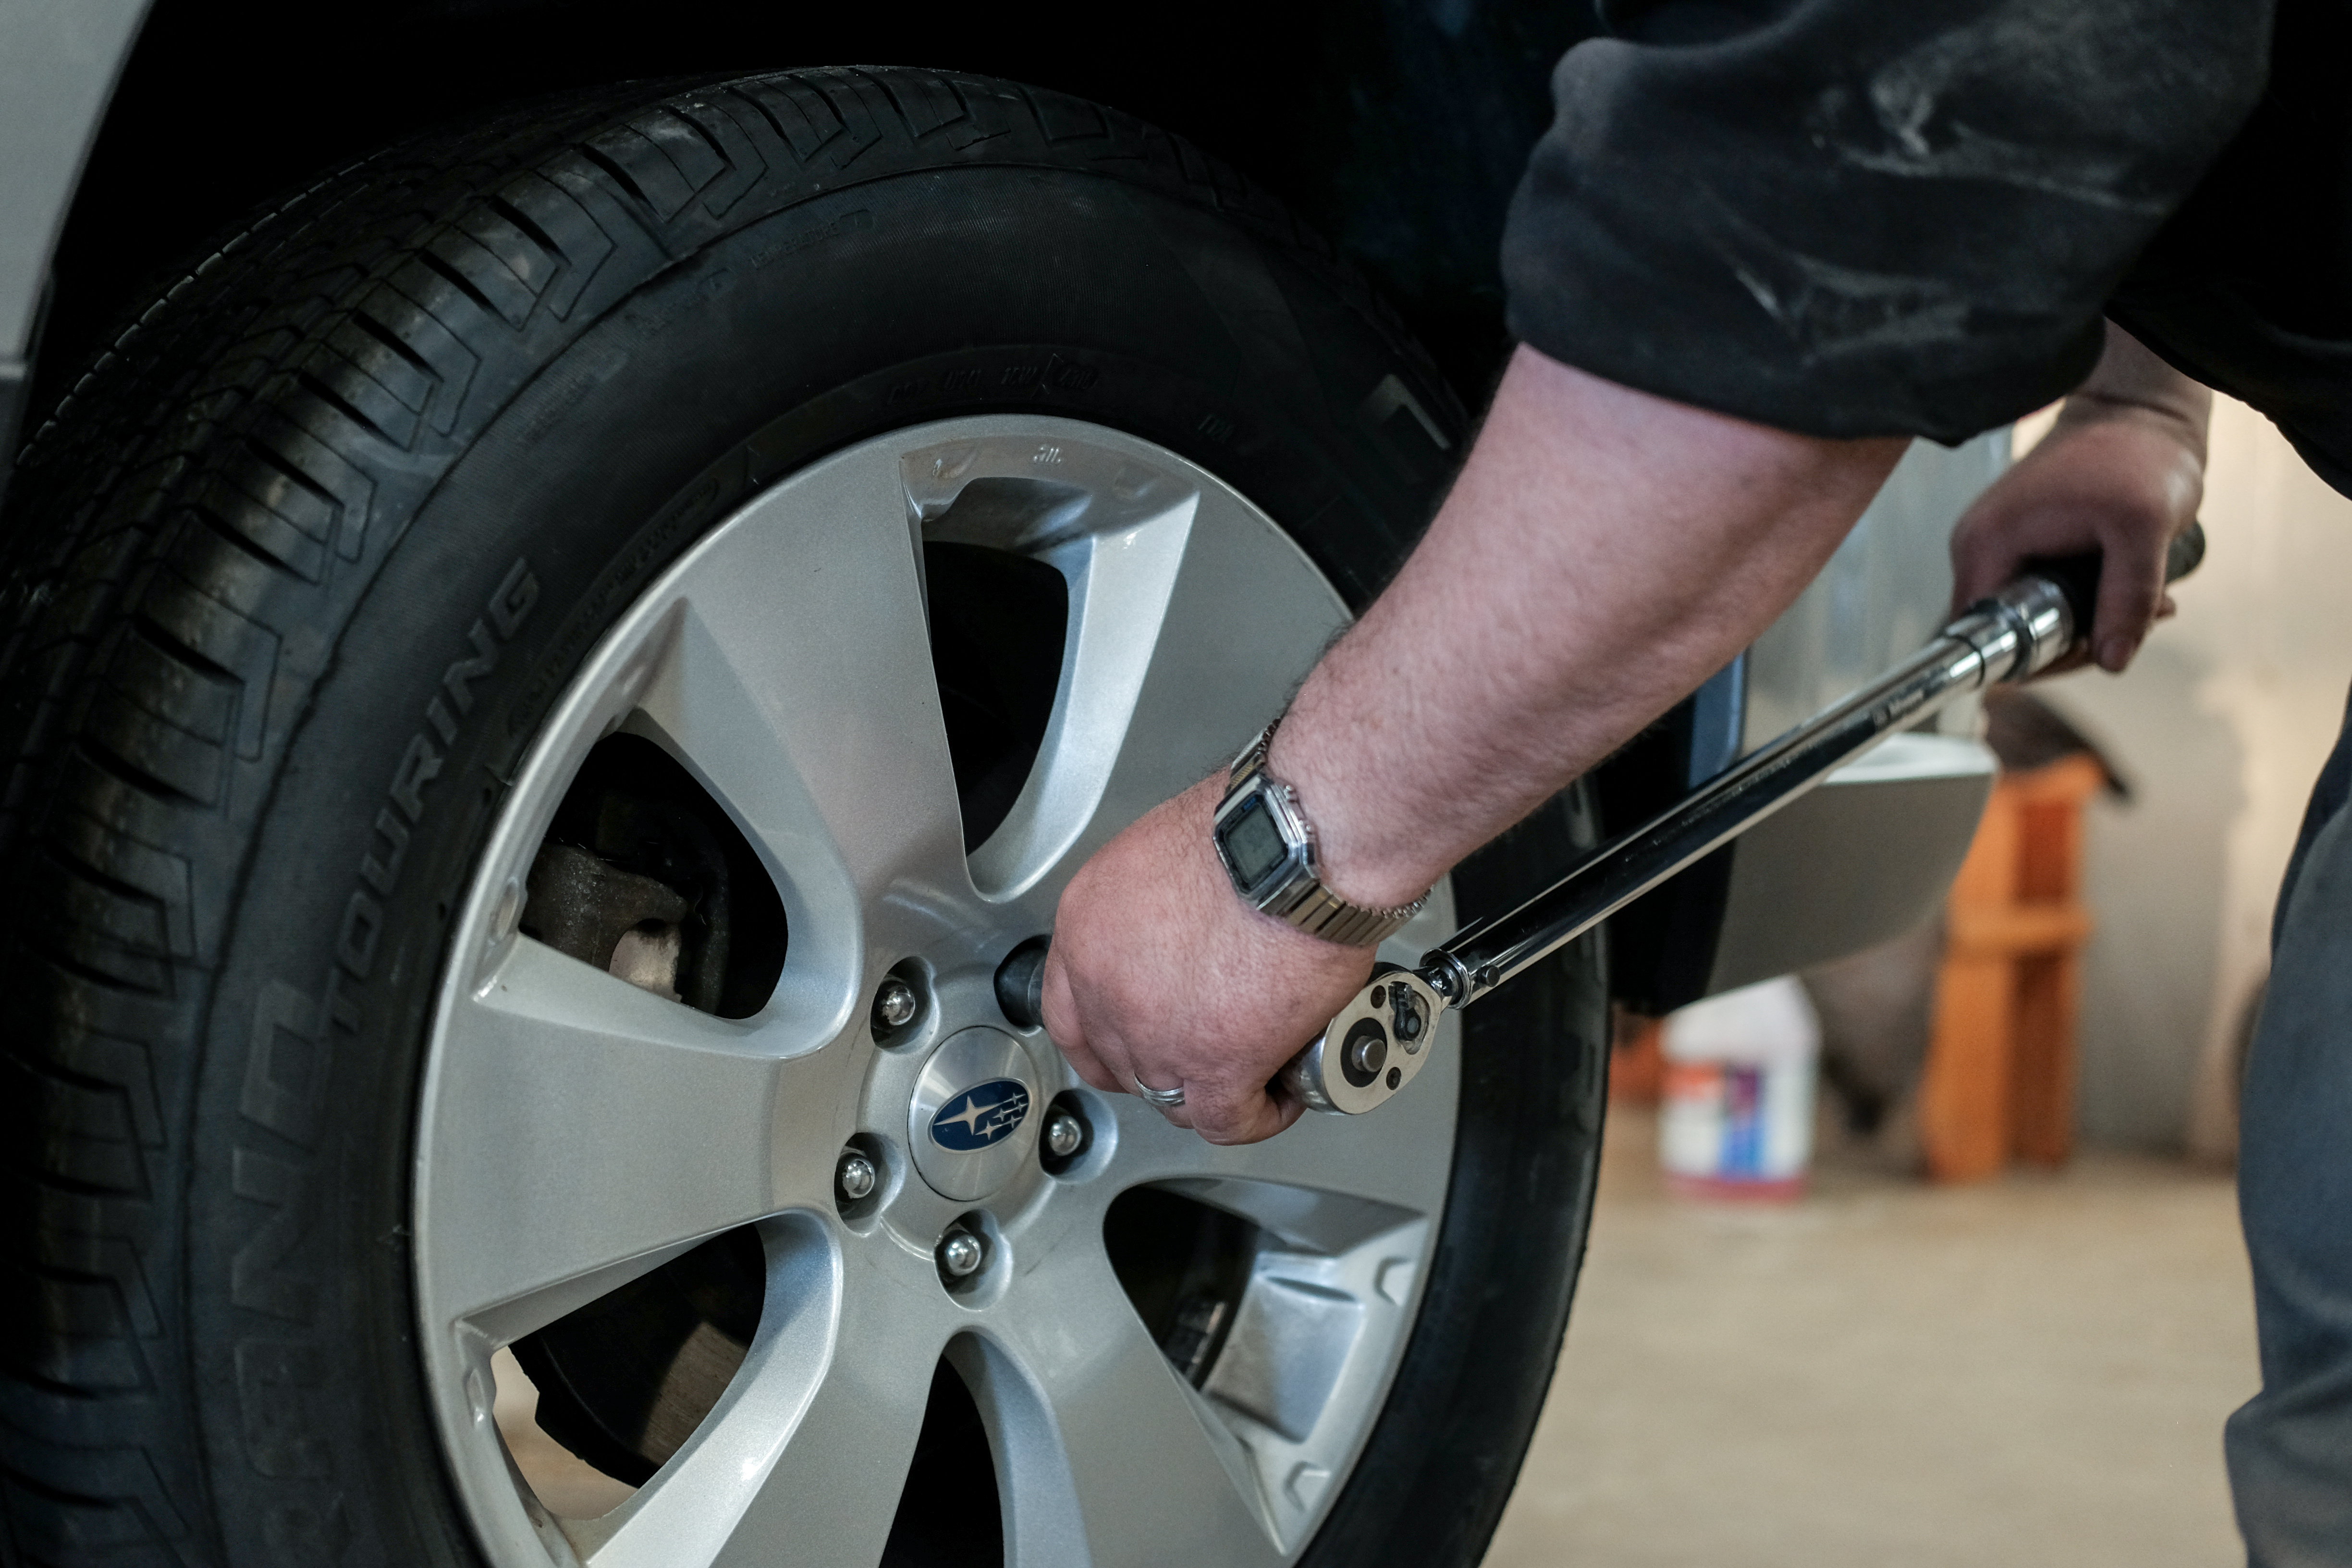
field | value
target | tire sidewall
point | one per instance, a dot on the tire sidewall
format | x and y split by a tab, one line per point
882	305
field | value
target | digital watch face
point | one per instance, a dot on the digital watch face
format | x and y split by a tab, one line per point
1253	845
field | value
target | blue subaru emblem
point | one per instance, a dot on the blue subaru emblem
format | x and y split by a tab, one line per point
981	1116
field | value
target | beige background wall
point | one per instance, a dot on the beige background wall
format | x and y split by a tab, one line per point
2222	724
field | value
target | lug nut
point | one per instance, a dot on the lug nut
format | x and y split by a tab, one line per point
1064	1133
961	1253
895	1005
855	1176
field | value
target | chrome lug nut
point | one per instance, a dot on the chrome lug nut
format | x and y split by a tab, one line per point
1064	1134
961	1253
855	1176
895	1005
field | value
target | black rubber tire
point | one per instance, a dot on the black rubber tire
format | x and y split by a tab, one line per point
500	376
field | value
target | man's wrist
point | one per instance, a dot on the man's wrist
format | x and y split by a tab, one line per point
1365	862
2132	383
1268	844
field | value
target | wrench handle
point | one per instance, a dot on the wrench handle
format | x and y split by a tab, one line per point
2078	577
1377	1042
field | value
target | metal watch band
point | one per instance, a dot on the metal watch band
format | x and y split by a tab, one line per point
1319	911
1305	901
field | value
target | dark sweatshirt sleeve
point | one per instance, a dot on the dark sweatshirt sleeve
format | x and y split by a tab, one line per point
1866	217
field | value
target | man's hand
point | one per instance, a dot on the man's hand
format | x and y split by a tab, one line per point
1602	553
2121	473
1161	971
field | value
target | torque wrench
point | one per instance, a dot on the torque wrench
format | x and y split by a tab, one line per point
1377	1044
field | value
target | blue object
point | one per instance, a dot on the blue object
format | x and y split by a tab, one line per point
981	1116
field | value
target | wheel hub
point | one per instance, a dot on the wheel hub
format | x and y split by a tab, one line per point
969	1123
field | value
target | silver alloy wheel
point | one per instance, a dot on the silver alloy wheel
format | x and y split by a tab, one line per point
577	1132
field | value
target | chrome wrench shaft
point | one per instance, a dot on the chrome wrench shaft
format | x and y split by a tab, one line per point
2016	633
1377	1044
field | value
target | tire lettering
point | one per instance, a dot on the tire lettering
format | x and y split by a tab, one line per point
381	874
303	1535
258	1278
285	1067
1056	375
362	923
418	767
792	245
287	1070
514	599
274	1379
459	677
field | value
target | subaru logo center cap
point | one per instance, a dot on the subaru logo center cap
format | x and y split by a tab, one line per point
981	1115
968	1125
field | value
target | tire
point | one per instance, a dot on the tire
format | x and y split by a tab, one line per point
315	584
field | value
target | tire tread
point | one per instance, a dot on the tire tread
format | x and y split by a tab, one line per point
189	530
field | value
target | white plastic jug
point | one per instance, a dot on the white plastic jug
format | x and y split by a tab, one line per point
1738	1114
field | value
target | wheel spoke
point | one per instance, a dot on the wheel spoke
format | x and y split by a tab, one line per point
1307	1358
1329	1180
799	686
802	1462
583	1131
1190	628
1101	1439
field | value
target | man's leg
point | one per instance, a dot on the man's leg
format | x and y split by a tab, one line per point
2289	1449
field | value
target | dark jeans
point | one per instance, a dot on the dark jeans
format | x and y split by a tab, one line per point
2289	1449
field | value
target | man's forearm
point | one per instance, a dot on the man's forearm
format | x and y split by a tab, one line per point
1603	553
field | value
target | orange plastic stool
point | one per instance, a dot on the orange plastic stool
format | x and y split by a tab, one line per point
2000	1070
1637	1066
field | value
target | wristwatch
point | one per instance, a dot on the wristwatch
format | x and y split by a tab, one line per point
1268	849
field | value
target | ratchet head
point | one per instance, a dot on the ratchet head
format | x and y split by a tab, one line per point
1373	1048
1369	1051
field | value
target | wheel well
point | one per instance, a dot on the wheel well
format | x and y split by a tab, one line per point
1396	127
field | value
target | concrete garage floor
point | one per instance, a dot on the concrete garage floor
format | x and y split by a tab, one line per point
2034	1371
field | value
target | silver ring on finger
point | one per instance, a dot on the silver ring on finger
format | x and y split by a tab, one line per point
1165	1098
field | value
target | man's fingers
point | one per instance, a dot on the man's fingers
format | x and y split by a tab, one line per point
2131	586
1097	1073
1057	1009
1982	561
1993	546
1998	536
1238	1116
1060	1012
1274	1115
